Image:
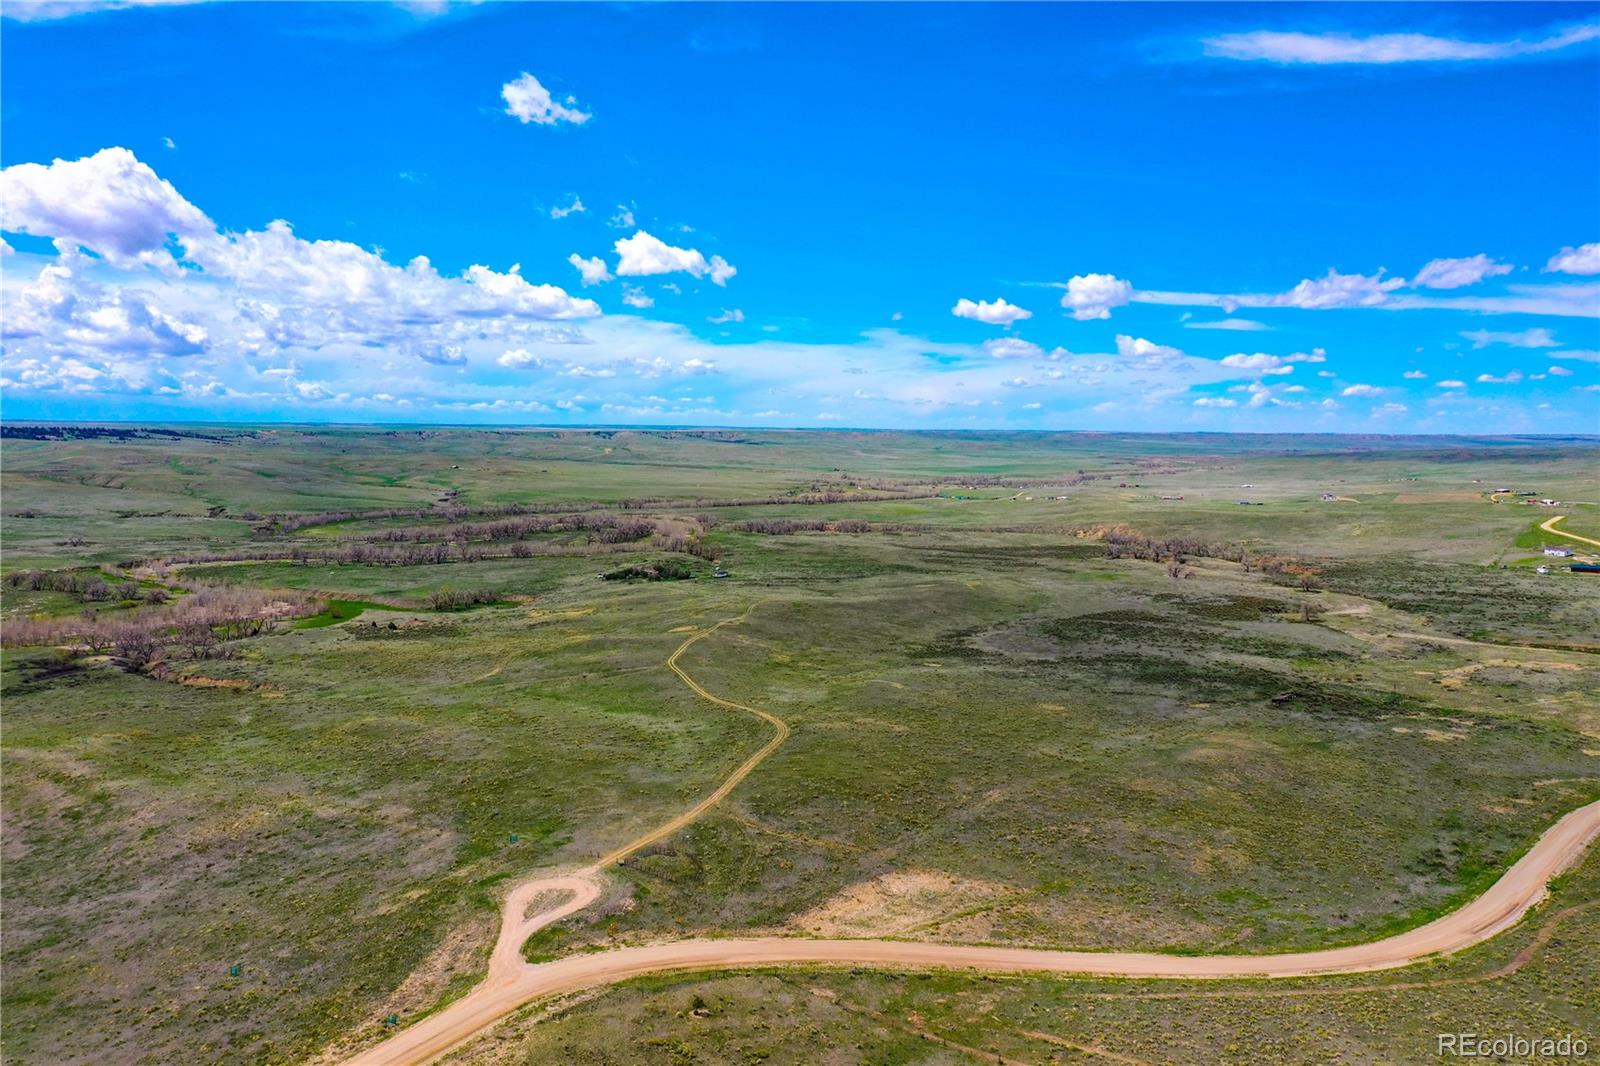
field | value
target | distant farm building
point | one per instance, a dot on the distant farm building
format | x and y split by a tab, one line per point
1559	553
1177	496
1549	503
1585	568
1328	497
1541	569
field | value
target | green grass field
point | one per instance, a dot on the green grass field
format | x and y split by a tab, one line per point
1326	722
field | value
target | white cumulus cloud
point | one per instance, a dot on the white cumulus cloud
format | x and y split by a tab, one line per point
521	359
998	313
1090	296
591	271
1260	362
529	101
643	255
110	203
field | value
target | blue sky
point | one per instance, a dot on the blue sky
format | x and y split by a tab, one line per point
1363	218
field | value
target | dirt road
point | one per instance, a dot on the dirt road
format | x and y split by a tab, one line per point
1549	526
512	982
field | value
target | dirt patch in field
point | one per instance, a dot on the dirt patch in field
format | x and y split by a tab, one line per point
898	903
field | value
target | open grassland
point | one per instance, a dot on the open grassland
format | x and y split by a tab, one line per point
1310	723
1540	978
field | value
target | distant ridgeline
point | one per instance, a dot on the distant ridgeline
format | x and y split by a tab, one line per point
111	433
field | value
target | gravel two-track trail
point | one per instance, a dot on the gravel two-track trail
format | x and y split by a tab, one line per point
513	982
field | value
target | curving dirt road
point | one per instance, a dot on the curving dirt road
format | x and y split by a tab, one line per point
513	982
1549	526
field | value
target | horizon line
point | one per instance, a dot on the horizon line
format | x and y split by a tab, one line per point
591	427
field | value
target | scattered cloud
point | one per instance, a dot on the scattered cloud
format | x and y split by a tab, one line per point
1139	348
1509	378
1260	362
634	296
574	208
1415	375
1361	390
1323	49
528	101
1336	290
727	315
1584	259
1451	384
998	313
1243	325
1456	273
643	255
1560	371
1215	401
1537	337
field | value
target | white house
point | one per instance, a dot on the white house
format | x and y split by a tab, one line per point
1559	553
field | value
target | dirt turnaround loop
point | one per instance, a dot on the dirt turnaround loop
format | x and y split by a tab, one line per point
513	982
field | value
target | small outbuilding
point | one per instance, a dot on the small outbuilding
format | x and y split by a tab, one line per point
1559	553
